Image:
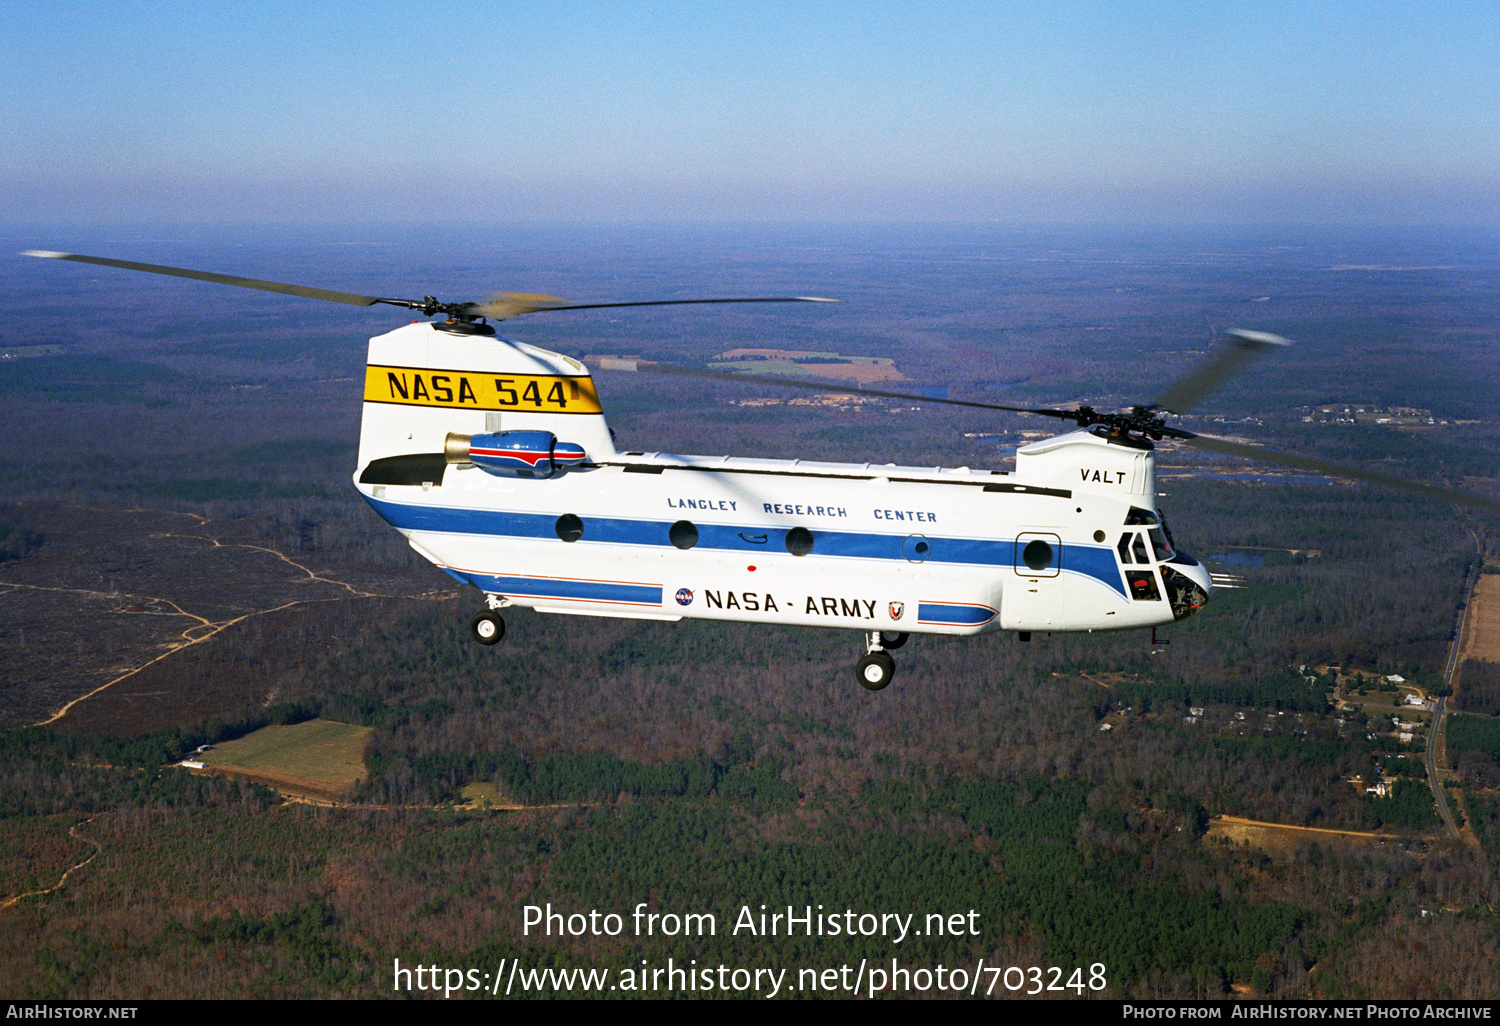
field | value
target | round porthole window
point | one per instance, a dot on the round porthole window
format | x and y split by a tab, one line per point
569	527
683	534
799	541
916	548
1037	554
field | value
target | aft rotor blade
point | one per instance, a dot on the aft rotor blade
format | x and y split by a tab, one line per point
351	298
1224	447
1238	349
500	307
508	305
643	367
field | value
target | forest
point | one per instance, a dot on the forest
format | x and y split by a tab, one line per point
1065	790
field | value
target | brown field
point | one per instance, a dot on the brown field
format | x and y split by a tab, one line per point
1481	638
318	758
1281	839
861	370
859	373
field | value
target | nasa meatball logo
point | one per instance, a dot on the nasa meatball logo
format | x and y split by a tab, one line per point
684	596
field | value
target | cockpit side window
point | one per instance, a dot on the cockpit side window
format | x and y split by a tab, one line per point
1138	572
1139	516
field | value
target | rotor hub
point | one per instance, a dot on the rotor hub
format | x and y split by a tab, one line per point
1140	422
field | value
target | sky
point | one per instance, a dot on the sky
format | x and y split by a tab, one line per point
1156	113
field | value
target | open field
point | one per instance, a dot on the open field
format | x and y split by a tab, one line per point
1383	703
483	795
788	363
1284	839
488	796
318	757
1481	638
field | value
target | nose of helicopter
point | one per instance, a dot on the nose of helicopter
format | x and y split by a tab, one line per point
1189	585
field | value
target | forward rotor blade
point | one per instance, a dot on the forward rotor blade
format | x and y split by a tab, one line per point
1240	346
1224	447
507	304
644	367
351	298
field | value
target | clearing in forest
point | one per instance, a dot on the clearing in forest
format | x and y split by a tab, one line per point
1481	638
792	363
1283	839
318	757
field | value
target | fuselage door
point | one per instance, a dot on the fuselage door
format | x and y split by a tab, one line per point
1038	554
1033	601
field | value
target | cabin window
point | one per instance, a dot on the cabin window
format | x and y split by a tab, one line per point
569	527
799	541
1037	554
684	534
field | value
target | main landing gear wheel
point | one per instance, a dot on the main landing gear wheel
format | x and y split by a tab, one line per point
487	627
875	670
892	640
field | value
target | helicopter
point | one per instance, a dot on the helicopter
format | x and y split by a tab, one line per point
494	459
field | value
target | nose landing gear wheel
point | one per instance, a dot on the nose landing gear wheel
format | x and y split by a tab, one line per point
487	627
875	670
892	640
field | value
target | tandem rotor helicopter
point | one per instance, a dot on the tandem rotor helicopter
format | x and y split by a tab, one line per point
493	458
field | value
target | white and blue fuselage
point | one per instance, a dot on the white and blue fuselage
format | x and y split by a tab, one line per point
1069	541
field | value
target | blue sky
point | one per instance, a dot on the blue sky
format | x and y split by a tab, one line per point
1142	112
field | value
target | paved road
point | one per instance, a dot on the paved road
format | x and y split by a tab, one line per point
1432	768
1440	709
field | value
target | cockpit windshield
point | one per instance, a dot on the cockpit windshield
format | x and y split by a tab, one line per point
1160	545
1167	530
1156	527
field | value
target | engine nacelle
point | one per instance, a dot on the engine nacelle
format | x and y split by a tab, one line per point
514	453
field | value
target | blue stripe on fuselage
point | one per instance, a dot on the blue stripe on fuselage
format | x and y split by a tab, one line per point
615	592
1094	562
955	614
